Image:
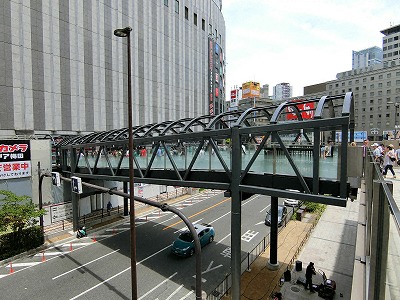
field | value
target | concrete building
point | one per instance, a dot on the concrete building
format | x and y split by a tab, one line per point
63	71
376	91
282	91
367	57
390	43
264	91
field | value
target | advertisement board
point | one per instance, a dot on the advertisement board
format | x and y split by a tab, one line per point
250	89
307	110
15	159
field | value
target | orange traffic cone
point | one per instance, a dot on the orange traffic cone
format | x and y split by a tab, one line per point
43	258
11	268
70	247
94	238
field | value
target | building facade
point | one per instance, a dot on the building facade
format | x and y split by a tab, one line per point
376	91
63	71
282	91
367	57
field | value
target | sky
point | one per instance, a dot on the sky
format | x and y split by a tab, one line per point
302	42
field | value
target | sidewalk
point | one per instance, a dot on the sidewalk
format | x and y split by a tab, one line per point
330	245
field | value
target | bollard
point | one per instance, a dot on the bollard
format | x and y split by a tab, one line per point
43	257
11	268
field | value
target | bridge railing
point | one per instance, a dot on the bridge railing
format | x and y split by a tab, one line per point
378	257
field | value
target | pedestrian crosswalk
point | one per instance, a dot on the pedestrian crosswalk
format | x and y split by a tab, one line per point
9	267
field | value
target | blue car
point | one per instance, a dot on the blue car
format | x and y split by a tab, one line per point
184	244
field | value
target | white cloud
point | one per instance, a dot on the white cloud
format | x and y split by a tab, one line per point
300	42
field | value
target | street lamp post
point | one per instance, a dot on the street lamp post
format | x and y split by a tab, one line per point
396	106
125	32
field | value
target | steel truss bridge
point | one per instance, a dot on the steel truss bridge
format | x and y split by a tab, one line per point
229	152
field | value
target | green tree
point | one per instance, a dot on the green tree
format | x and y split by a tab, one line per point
17	212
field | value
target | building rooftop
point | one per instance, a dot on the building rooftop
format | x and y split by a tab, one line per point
391	30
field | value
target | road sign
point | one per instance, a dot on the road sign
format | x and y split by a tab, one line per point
76	184
55	178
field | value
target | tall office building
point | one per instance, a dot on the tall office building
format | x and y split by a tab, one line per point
62	70
376	91
282	91
367	57
391	43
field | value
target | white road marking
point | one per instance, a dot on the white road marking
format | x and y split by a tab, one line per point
143	260
1	276
26	264
265	208
55	253
228	213
177	290
97	285
185	228
173	217
85	264
249	235
116	229
219	242
74	244
157	286
187	295
263	222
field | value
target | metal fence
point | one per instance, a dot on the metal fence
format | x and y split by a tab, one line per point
224	286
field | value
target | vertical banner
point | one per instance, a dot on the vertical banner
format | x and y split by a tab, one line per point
211	76
15	159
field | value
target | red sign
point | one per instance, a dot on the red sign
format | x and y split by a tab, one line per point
306	110
233	94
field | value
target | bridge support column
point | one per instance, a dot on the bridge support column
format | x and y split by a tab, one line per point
273	250
236	213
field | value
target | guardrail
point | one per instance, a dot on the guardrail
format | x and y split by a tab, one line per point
224	286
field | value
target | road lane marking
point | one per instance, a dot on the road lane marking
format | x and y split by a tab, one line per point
55	253
157	286
97	285
219	242
185	228
1	276
143	260
249	235
265	208
26	264
187	295
177	290
248	201
116	229
173	217
262	222
228	213
75	244
84	264
200	212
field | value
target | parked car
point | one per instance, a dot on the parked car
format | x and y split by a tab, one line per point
184	244
282	212
291	202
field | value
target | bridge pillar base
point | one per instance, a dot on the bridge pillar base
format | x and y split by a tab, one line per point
272	267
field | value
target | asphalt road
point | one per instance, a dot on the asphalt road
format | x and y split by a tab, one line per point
101	269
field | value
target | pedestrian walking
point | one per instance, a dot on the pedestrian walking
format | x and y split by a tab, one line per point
389	160
310	271
109	207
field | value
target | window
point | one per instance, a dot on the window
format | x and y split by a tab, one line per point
380	76
388	92
371	94
371	86
357	88
203	24
342	83
371	109
384	48
166	2
364	79
371	101
186	13
397	82
177	6
357	81
364	87
195	19
380	84
372	78
395	38
388	75
389	83
210	28
337	85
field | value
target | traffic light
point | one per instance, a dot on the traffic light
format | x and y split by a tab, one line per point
55	178
76	184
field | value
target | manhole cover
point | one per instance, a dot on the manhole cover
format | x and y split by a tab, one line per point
295	289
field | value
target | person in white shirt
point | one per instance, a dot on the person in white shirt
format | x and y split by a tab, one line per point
389	159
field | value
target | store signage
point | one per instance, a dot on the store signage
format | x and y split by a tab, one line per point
15	159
